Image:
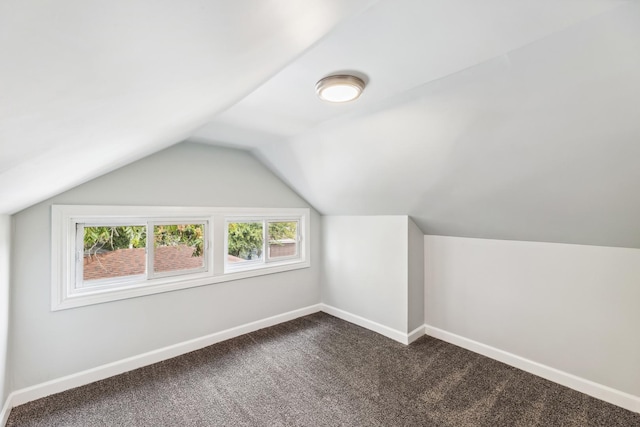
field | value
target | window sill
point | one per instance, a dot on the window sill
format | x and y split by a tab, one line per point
150	287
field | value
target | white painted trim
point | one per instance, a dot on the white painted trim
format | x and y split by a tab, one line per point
416	333
6	409
64	251
599	391
388	332
58	385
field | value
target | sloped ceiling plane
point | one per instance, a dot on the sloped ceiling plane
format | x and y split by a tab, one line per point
496	119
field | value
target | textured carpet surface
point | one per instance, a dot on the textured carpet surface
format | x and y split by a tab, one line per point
322	371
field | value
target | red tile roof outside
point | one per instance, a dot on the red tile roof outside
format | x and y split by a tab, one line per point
130	262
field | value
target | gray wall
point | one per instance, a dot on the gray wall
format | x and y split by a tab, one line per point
416	276
5	257
571	307
365	267
47	345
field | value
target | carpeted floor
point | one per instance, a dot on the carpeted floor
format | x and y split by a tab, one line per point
322	371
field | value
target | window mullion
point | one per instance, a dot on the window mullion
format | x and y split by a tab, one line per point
265	253
79	254
149	250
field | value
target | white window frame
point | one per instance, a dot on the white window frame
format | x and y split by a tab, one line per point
146	278
65	293
79	284
266	260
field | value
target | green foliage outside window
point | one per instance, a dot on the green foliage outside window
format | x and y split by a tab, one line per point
246	238
279	231
191	235
111	238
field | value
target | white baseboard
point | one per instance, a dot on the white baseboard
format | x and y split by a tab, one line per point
591	388
58	385
415	334
6	409
599	391
388	332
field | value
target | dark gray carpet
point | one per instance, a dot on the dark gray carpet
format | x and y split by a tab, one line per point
322	371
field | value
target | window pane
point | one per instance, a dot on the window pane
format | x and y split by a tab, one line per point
246	242
112	251
283	239
178	247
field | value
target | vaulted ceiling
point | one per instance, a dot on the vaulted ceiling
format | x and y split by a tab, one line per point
499	119
87	86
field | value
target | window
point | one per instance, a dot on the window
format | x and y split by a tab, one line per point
110	252
255	243
106	253
245	243
178	248
283	239
119	254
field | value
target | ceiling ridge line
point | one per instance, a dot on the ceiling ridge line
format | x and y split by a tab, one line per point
294	58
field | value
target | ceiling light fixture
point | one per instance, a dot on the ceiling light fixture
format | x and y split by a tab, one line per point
339	88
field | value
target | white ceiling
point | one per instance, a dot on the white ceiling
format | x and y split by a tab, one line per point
399	45
87	86
499	119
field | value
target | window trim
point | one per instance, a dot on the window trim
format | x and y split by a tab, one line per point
65	295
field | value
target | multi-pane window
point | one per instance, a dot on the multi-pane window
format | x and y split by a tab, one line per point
120	254
256	242
106	253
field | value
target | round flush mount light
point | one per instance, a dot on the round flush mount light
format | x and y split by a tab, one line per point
339	88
